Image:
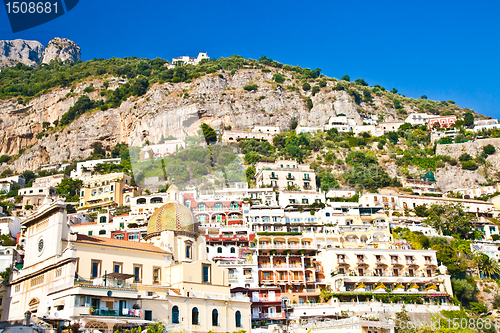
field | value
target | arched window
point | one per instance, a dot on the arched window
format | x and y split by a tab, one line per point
233	250
195	318
102	219
175	315
219	249
215	318
102	232
237	318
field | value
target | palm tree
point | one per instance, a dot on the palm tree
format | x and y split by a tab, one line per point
486	265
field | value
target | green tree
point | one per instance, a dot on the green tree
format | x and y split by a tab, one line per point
486	265
309	104
69	189
97	151
306	86
421	210
315	90
361	82
6	173
250	87
346	78
393	137
278	78
468	119
489	149
209	134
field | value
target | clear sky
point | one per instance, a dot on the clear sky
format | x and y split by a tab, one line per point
447	50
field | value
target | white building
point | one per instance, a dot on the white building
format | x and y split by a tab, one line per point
485	124
54	167
417	119
471	193
292	198
187	60
10	225
285	174
341	124
305	129
7	257
491	249
47	181
83	169
266	129
7	183
341	193
162	149
437	135
391	126
371	129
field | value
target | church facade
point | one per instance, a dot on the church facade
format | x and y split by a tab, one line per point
109	284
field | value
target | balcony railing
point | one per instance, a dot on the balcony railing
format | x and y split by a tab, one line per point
273	176
110	284
290	177
116	313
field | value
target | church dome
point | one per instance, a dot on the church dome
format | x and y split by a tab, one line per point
171	216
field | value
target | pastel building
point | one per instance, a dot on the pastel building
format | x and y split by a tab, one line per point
108	284
285	174
161	150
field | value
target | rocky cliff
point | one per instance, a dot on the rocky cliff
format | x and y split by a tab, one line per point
166	109
33	53
62	49
28	52
29	132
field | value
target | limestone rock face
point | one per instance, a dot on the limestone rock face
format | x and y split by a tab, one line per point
62	49
28	52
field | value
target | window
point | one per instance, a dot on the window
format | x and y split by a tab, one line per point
305	201
206	273
102	219
215	317
133	237
188	251
90	233
137	273
219	249
119	236
233	250
117	267
156	275
195	317
175	314
95	268
102	232
148	315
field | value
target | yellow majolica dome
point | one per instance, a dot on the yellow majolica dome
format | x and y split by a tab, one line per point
171	216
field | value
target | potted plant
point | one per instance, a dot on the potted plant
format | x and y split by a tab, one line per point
91	310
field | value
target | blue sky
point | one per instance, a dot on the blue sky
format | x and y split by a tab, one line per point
446	50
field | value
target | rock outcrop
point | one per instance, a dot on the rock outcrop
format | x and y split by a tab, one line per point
62	49
28	52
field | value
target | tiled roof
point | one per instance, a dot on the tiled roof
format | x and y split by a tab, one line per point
82	224
118	243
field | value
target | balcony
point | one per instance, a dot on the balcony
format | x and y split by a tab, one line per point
248	277
109	284
341	261
289	177
115	313
273	176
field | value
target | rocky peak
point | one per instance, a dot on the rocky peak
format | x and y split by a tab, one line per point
28	52
62	49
